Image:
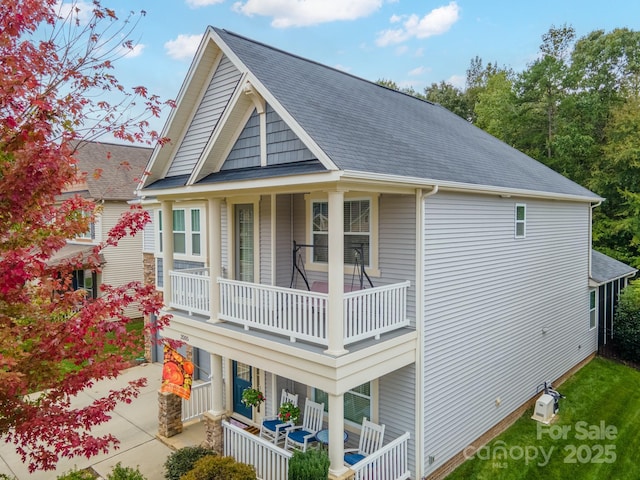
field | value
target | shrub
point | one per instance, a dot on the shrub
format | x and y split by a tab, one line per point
183	460
125	473
626	336
72	475
4	476
220	468
310	465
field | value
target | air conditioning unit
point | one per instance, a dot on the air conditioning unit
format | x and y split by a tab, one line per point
544	410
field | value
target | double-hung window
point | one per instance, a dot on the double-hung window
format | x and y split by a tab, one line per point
357	403
593	311
357	231
187	232
520	220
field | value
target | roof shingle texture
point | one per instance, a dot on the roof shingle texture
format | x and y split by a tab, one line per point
362	126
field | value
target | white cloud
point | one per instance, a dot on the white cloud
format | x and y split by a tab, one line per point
134	52
297	13
419	52
458	81
184	46
401	50
417	71
80	11
202	3
342	67
436	22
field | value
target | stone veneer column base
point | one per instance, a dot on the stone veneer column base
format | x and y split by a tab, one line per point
169	414
214	434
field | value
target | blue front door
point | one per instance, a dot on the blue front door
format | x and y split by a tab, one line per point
241	380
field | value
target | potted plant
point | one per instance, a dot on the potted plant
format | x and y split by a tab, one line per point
252	397
289	412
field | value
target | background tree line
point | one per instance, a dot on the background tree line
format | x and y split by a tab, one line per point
576	109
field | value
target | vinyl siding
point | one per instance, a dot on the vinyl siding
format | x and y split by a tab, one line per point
148	235
284	240
264	252
283	146
397	407
123	262
204	122
246	151
488	297
224	231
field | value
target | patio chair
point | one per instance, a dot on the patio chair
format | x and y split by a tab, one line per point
301	436
272	428
371	437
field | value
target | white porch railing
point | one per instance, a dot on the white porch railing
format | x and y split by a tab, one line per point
370	312
298	314
190	290
391	462
270	461
198	403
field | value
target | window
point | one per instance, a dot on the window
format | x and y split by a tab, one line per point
357	231
85	280
520	220
187	232
592	309
357	402
90	234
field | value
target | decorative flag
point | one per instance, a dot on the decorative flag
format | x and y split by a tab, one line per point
177	373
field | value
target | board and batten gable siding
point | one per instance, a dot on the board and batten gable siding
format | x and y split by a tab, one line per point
205	120
124	261
501	314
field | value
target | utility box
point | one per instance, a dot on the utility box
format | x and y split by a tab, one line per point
544	410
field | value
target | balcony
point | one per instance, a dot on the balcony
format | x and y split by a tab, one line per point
298	315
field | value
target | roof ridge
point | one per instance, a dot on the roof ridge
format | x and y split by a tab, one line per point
323	65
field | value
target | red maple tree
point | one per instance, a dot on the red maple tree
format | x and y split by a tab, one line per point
57	89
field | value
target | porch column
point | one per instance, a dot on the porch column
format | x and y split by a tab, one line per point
167	249
215	256
217	387
336	433
335	319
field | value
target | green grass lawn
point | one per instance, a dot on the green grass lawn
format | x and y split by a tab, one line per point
575	446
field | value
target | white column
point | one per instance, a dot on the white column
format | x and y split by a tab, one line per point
167	249
216	385
214	241
336	434
335	317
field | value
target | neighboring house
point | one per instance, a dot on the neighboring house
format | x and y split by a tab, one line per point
284	175
112	173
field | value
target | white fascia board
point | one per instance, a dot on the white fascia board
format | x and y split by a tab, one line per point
417	182
250	184
271	100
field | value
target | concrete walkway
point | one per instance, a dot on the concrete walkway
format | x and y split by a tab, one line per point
134	424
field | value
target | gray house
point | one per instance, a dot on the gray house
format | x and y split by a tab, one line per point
368	250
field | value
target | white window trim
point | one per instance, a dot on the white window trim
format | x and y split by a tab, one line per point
372	269
349	425
516	222
188	255
593	292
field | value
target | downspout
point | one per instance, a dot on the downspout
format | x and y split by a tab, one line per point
421	195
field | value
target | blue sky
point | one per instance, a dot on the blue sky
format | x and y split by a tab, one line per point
413	42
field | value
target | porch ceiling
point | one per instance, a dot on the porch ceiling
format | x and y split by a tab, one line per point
299	361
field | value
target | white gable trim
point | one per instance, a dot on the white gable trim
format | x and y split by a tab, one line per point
279	109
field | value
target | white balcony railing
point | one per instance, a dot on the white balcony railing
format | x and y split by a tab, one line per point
190	290
299	315
389	463
270	461
198	403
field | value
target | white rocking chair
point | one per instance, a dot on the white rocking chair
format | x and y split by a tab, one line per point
371	437
274	429
299	437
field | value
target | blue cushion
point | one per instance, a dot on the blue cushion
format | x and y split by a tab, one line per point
353	458
298	436
271	424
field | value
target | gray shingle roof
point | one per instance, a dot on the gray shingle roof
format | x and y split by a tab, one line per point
121	167
365	127
606	269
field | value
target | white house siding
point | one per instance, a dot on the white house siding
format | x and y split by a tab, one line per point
124	262
224	232
209	111
397	407
284	240
488	297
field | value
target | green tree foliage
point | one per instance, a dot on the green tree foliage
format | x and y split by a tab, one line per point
450	97
627	323
310	465
219	468
183	460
